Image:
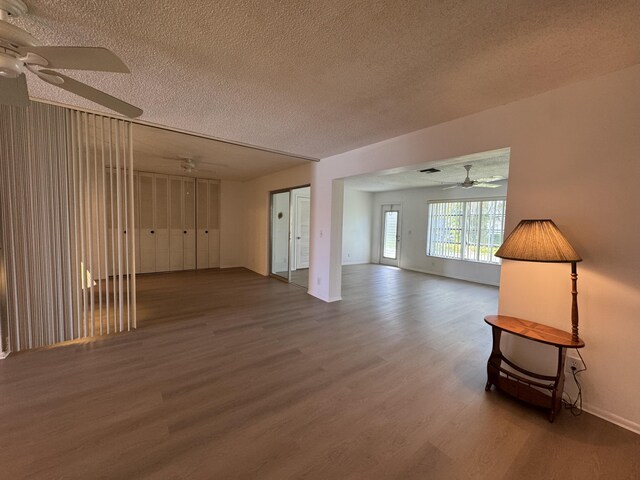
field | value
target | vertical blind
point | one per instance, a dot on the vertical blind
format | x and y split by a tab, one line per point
68	260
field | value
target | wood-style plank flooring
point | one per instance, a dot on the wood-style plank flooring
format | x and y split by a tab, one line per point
235	376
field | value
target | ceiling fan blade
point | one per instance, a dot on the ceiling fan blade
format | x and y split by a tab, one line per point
213	164
452	186
13	91
90	93
77	58
495	178
486	185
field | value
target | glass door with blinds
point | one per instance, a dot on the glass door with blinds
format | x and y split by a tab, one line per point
390	238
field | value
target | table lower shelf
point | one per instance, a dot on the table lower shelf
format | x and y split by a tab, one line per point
522	389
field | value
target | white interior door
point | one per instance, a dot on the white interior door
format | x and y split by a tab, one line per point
390	238
146	222
302	224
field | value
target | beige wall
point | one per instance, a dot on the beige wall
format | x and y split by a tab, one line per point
575	158
256	213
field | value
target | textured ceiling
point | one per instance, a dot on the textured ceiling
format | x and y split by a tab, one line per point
484	165
323	77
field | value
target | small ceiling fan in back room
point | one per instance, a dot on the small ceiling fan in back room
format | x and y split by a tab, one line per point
480	182
20	52
191	163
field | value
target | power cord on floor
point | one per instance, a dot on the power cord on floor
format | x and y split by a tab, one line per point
575	406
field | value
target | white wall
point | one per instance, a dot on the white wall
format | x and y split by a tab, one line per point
357	227
574	158
413	232
256	213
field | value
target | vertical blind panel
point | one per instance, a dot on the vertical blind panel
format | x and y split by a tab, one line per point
66	204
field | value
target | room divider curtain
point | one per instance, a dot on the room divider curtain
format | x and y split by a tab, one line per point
67	259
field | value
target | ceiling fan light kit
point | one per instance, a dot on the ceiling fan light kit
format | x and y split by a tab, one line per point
20	52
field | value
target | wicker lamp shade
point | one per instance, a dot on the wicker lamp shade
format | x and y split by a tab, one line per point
538	241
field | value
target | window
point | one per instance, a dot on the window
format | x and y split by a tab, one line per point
466	230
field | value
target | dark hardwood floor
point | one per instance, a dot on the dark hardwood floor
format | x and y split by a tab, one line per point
233	375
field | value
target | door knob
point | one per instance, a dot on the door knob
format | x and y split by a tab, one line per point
152	231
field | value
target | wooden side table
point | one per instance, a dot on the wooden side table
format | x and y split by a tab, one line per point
541	390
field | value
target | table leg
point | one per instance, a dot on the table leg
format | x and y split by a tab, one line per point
495	359
558	385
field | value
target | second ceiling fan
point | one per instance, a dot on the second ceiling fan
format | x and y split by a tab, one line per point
480	182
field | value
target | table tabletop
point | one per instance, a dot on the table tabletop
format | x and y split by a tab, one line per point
533	331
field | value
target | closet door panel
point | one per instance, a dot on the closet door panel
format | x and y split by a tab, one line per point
189	214
146	223
214	224
202	223
176	236
136	218
214	248
162	222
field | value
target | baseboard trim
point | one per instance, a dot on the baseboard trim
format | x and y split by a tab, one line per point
364	262
459	277
327	300
613	418
4	355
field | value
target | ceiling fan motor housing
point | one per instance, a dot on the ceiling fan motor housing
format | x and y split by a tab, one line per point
10	67
14	8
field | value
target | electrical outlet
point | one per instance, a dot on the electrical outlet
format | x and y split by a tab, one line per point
572	363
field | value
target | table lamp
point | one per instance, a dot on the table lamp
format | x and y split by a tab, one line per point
542	241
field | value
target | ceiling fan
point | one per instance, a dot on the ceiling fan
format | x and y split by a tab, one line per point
190	163
20	52
481	182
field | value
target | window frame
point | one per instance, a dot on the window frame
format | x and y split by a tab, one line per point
463	228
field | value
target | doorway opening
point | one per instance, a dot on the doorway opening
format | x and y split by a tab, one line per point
390	251
290	226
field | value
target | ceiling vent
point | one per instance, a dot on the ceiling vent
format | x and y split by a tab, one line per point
430	170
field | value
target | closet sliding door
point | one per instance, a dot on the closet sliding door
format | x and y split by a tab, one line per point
208	214
147	230
189	215
161	224
182	238
167	219
178	232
